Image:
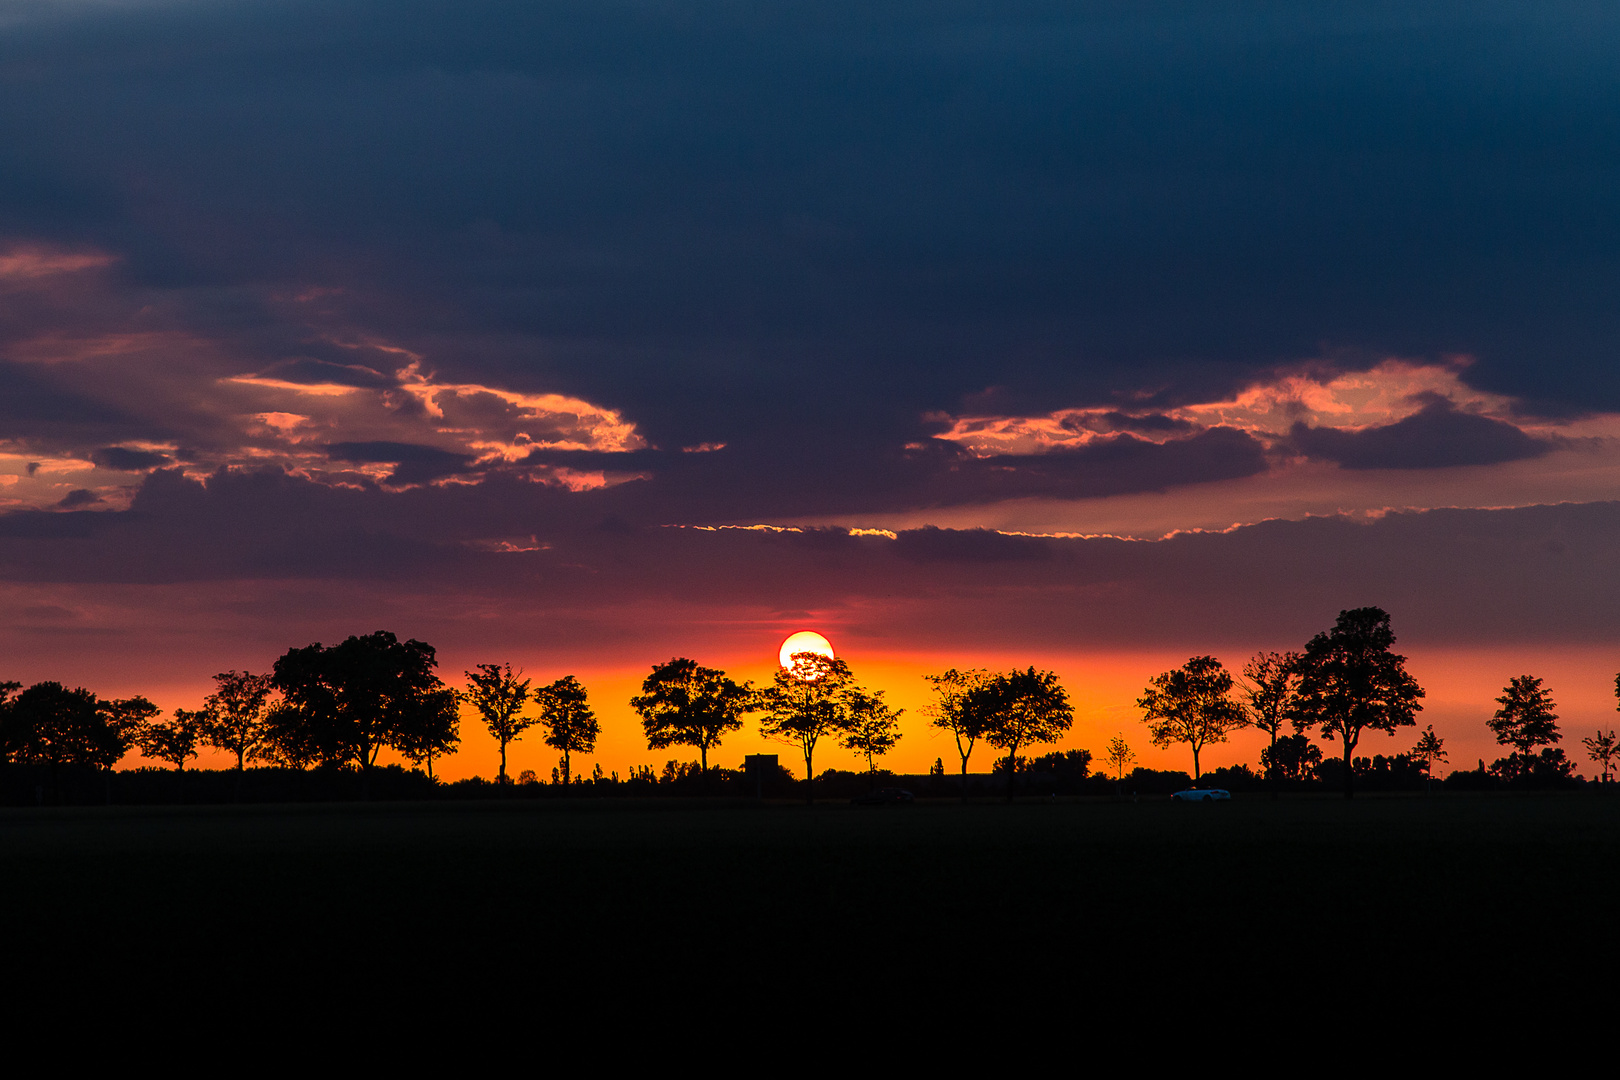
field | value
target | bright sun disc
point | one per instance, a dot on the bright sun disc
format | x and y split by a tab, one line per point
804	641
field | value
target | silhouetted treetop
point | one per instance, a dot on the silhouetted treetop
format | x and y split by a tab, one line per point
499	697
1192	704
1525	720
683	703
1350	681
355	698
570	724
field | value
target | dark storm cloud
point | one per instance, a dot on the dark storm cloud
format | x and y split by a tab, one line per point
1435	437
412	464
120	459
1459	576
799	227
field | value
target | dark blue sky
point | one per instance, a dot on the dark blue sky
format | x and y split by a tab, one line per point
452	276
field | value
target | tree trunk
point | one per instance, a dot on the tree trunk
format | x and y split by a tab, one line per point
1012	771
964	776
1349	770
1196	773
503	763
1271	769
809	780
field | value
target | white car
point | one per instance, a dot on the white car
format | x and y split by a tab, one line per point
1203	794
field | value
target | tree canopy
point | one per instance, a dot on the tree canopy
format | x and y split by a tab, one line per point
173	741
1350	682
1192	704
52	725
569	722
873	727
806	702
234	714
1020	709
954	711
499	697
683	703
355	698
1524	720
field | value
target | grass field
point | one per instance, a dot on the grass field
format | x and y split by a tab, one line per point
593	893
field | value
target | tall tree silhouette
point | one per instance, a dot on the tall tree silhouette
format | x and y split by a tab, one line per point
1431	748
683	703
173	741
499	697
1269	691
873	728
233	715
1192	704
430	728
1351	682
953	710
1021	709
805	703
360	696
569	722
1525	720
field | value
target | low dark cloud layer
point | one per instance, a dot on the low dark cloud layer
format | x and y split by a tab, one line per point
1435	437
473	564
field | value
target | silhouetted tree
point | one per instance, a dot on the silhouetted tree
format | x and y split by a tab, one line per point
1350	681
289	739
873	728
173	741
360	696
569	722
1430	748
1524	721
1022	708
806	702
234	714
1269	692
51	725
1603	749
499	697
430	728
1119	755
951	711
1292	757
685	704
8	691
1192	704
126	718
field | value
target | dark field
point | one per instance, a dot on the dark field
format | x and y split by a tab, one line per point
695	894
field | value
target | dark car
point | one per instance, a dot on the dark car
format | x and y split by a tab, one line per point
889	796
1203	794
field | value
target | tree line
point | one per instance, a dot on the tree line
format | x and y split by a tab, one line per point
1346	682
338	707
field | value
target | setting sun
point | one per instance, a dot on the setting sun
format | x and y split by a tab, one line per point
804	641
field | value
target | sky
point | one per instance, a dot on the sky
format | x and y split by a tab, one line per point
578	336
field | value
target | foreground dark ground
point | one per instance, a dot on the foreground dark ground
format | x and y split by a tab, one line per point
680	898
